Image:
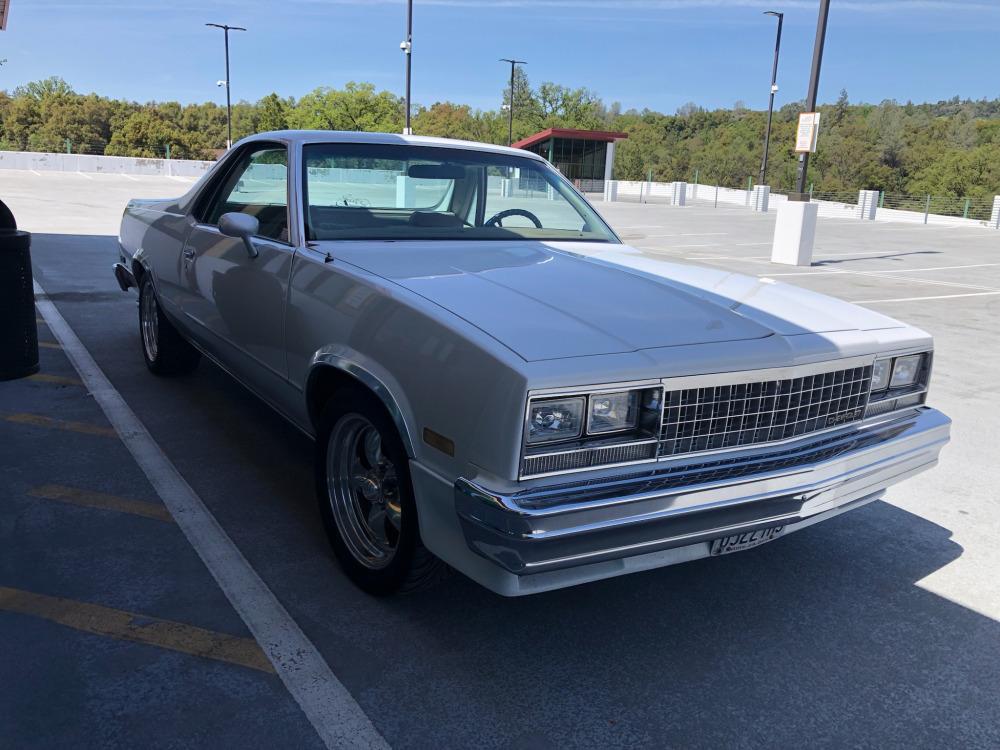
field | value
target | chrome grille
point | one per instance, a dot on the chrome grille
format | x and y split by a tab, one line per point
614	454
750	413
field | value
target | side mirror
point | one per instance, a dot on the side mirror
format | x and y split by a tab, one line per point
240	226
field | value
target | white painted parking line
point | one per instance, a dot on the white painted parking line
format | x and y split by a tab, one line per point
130	177
690	234
919	299
330	708
935	268
888	271
815	255
932	282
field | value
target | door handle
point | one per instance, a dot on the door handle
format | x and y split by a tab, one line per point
189	255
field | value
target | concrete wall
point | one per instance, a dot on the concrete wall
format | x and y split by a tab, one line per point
660	192
39	162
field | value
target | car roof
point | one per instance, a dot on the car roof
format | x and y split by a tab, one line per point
346	136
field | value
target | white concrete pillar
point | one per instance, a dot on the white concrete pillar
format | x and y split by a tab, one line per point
995	214
794	233
610	190
506	187
760	198
609	162
404	192
867	203
678	193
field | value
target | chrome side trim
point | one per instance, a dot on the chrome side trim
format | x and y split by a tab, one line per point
369	380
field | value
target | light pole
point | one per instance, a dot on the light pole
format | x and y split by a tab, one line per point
229	102
774	90
800	193
510	107
407	46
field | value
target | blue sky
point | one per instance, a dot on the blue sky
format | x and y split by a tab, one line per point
643	53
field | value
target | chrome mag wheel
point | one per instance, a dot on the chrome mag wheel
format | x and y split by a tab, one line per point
150	324
363	491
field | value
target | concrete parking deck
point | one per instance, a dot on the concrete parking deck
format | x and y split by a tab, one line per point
878	628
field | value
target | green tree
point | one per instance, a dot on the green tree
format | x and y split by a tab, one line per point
356	107
272	113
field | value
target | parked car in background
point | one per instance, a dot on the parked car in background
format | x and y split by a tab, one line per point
495	382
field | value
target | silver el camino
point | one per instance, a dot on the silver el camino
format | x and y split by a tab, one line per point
496	383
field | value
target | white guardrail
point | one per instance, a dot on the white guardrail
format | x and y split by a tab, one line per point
863	209
41	162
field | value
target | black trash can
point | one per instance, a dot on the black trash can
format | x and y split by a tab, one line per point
18	330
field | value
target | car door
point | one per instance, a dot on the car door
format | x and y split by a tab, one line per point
235	300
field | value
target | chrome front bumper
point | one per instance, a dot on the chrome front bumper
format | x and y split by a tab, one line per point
560	526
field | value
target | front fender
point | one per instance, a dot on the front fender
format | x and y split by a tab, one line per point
374	377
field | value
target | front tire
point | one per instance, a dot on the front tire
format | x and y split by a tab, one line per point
164	349
366	498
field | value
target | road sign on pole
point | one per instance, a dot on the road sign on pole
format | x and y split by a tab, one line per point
808	133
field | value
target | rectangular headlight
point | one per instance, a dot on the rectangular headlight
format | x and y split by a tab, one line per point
612	412
880	374
905	370
555	419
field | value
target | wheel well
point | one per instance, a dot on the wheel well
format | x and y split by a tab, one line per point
138	271
325	381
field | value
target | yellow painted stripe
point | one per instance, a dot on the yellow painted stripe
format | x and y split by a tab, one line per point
37	420
42	377
49	345
128	626
101	501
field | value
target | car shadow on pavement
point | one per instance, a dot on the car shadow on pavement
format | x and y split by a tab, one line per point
819	638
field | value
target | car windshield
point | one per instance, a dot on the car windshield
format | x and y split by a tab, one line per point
357	191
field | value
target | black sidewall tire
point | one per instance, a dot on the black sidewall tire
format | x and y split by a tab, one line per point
396	575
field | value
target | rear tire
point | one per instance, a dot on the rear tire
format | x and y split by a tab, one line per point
164	349
366	498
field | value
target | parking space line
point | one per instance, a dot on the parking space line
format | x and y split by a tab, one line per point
129	626
39	420
49	345
690	234
101	501
44	377
932	282
936	268
884	271
919	299
329	707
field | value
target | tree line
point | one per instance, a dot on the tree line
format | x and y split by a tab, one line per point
948	148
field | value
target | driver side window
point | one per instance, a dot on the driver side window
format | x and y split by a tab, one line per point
258	185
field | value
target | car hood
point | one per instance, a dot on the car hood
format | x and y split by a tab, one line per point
555	300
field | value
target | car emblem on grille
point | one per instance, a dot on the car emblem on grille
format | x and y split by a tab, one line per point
845	416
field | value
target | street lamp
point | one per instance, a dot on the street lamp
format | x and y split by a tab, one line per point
774	90
800	193
407	46
510	108
229	102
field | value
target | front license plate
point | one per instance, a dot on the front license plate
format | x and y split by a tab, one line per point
746	540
